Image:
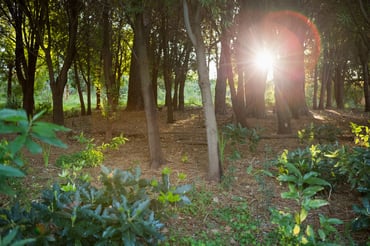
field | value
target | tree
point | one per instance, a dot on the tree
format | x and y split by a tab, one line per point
195	35
65	12
141	40
27	18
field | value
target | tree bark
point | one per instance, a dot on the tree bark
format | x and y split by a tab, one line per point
10	79
134	95
26	65
79	89
57	84
195	35
220	90
156	155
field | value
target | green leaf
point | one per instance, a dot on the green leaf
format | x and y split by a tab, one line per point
287	178
317	203
321	234
5	188
50	140
293	169
128	238
6	128
289	195
334	221
9	237
141	206
309	175
32	146
311	191
109	232
16	145
13	115
38	115
183	189
303	215
10	171
316	181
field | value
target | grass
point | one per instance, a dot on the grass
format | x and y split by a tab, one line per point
214	218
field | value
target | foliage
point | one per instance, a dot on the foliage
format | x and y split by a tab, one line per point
362	221
320	158
362	134
10	239
293	229
44	106
13	103
313	132
26	133
237	135
92	155
121	212
85	158
224	225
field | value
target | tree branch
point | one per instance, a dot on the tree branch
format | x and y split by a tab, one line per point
187	23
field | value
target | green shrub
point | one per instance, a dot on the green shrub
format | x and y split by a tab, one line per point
321	159
293	229
326	132
121	212
84	158
25	133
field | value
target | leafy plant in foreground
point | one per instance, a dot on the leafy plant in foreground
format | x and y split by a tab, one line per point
121	212
292	229
26	133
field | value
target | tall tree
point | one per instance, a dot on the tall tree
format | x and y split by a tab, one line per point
142	40
59	13
195	35
27	18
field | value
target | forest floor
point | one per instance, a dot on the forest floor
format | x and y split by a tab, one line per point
185	150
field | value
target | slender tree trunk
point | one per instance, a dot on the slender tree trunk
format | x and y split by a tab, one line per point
79	89
339	85
220	90
134	95
167	77
10	79
57	85
365	69
214	164
156	155
315	88
329	94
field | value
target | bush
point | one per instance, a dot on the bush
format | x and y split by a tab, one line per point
121	212
26	134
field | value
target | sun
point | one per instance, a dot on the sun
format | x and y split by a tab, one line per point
264	62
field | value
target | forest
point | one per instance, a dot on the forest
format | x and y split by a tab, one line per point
192	122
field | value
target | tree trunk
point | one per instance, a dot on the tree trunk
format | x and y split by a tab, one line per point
134	94
315	88
339	85
220	90
167	70
156	155
329	94
365	72
107	56
79	89
325	76
57	85
10	79
87	80
214	164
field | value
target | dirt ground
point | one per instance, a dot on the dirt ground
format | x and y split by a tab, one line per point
185	150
